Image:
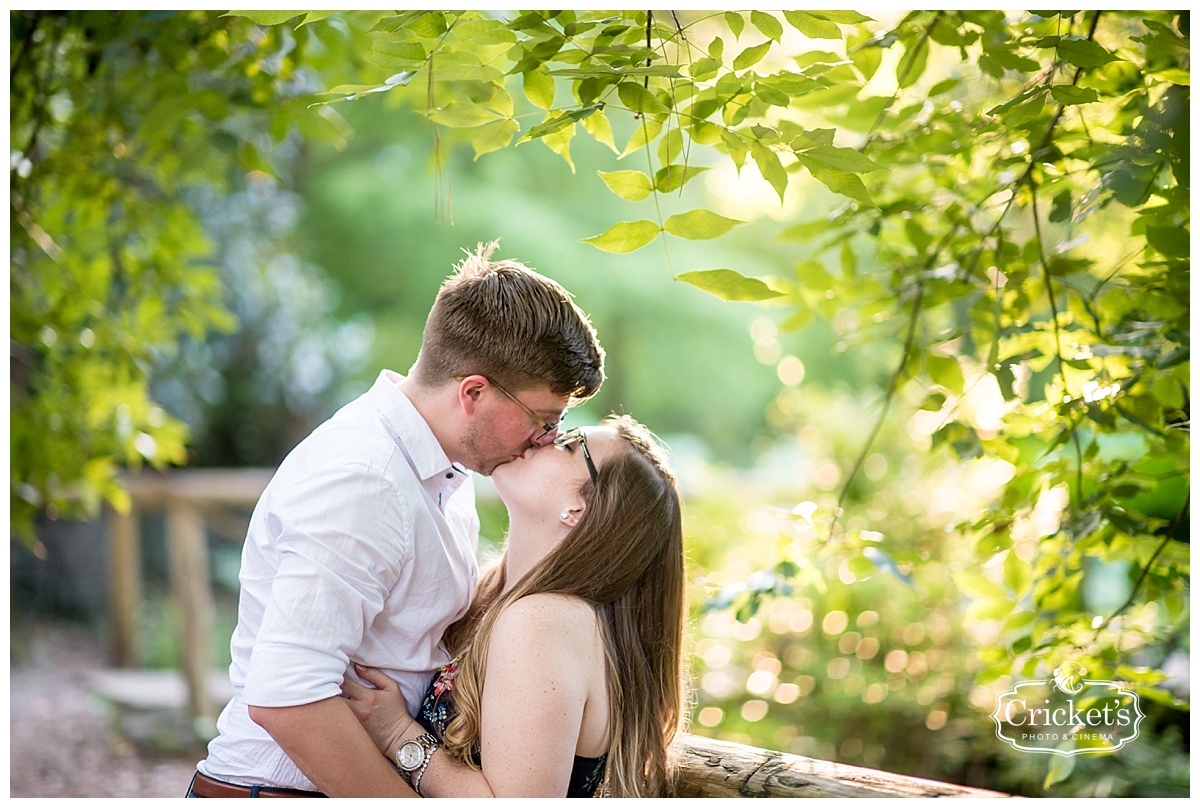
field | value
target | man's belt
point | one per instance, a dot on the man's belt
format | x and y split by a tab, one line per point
205	786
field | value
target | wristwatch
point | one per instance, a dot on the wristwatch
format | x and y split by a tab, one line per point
413	757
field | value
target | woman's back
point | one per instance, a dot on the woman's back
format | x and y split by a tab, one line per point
542	647
546	684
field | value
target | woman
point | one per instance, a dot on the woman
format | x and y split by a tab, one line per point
569	671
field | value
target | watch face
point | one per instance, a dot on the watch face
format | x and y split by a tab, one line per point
410	755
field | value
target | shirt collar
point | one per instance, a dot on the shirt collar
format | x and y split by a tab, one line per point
410	428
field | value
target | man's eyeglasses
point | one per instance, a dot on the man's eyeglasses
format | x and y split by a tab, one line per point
576	436
537	419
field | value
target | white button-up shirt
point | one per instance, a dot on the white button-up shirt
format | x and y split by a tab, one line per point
361	548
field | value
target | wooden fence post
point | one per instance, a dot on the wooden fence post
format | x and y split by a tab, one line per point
193	595
124	586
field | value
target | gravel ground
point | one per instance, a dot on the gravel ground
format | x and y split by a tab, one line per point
66	742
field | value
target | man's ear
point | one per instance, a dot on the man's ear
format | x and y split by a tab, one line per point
470	390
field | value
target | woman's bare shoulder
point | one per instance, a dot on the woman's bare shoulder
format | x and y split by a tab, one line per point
562	620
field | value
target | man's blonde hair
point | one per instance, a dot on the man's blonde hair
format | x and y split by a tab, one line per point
502	320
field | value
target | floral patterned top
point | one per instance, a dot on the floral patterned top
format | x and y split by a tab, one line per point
437	710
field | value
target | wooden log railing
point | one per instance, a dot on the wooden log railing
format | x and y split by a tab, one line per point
708	768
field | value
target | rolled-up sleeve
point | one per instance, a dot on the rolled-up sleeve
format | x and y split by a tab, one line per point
343	535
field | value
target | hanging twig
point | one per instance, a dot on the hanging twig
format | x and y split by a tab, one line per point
1146	570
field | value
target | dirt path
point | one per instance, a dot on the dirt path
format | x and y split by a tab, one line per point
63	741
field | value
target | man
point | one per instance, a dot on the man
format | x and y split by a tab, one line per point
362	547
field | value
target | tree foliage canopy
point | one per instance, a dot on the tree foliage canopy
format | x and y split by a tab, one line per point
1011	212
120	121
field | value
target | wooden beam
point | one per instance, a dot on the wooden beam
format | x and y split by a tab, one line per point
234	487
124	587
713	768
193	594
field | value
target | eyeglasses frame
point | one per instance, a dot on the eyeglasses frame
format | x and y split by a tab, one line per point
577	435
537	419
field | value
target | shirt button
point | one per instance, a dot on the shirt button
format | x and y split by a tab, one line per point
449	475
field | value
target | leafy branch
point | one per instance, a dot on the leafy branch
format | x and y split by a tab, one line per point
1170	535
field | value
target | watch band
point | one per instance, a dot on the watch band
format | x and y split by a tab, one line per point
429	744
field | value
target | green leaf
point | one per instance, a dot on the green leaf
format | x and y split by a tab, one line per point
842	159
484	32
316	16
463	116
912	64
735	22
1084	53
812	138
266	17
704	68
813	25
794	83
1174	75
626	237
551	125
840	182
1060	769
1017	574
770	95
632	185
1069	95
397	54
1169	392
605	71
806	231
729	285
559	142
735	146
494	136
645	132
812	275
599	128
770	27
842	17
673	177
944	86
539	88
393	23
751	56
933	402
1173	242
1002	56
945	371
1060	209
699	224
639	99
769	166
1027	107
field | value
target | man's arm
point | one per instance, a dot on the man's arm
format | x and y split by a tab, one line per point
345	535
327	743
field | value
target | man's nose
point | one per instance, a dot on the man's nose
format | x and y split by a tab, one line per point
546	439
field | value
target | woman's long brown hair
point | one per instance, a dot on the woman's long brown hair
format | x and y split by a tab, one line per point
625	558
